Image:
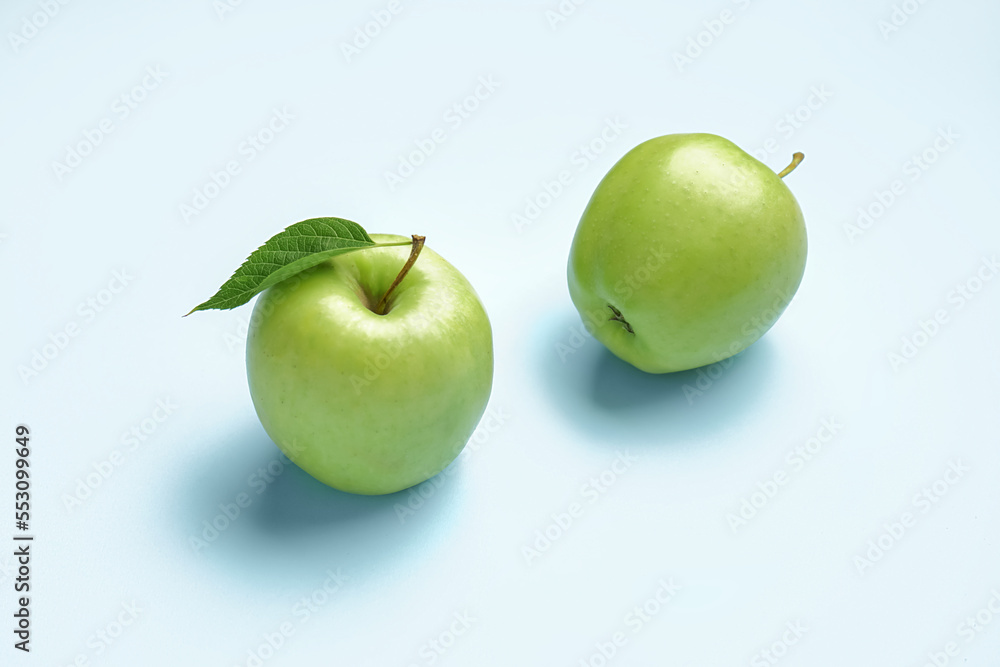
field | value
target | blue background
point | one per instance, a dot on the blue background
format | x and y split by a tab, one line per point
863	100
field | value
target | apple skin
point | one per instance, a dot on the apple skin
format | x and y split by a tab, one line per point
366	403
699	247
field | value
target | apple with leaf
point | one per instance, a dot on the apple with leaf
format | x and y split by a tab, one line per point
369	358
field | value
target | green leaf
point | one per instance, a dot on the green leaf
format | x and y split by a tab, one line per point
301	246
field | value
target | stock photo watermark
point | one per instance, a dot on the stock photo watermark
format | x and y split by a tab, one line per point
579	334
713	28
795	461
230	511
634	621
101	640
34	23
454	117
382	357
418	496
928	329
437	646
564	11
236	338
900	15
301	613
912	170
247	151
550	189
377	363
223	8
753	328
966	632
710	374
793	121
121	108
365	34
779	648
589	493
131	441
922	502
87	311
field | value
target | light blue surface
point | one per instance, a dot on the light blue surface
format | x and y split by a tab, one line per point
563	410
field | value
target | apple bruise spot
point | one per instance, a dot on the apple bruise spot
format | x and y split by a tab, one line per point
617	317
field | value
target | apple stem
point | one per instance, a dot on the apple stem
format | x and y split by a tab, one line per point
418	243
797	159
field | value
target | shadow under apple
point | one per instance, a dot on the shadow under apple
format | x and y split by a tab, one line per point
252	513
603	395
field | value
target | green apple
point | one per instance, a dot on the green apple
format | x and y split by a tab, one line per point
371	403
688	252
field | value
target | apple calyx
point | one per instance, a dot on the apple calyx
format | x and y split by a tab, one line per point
617	317
797	159
418	243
